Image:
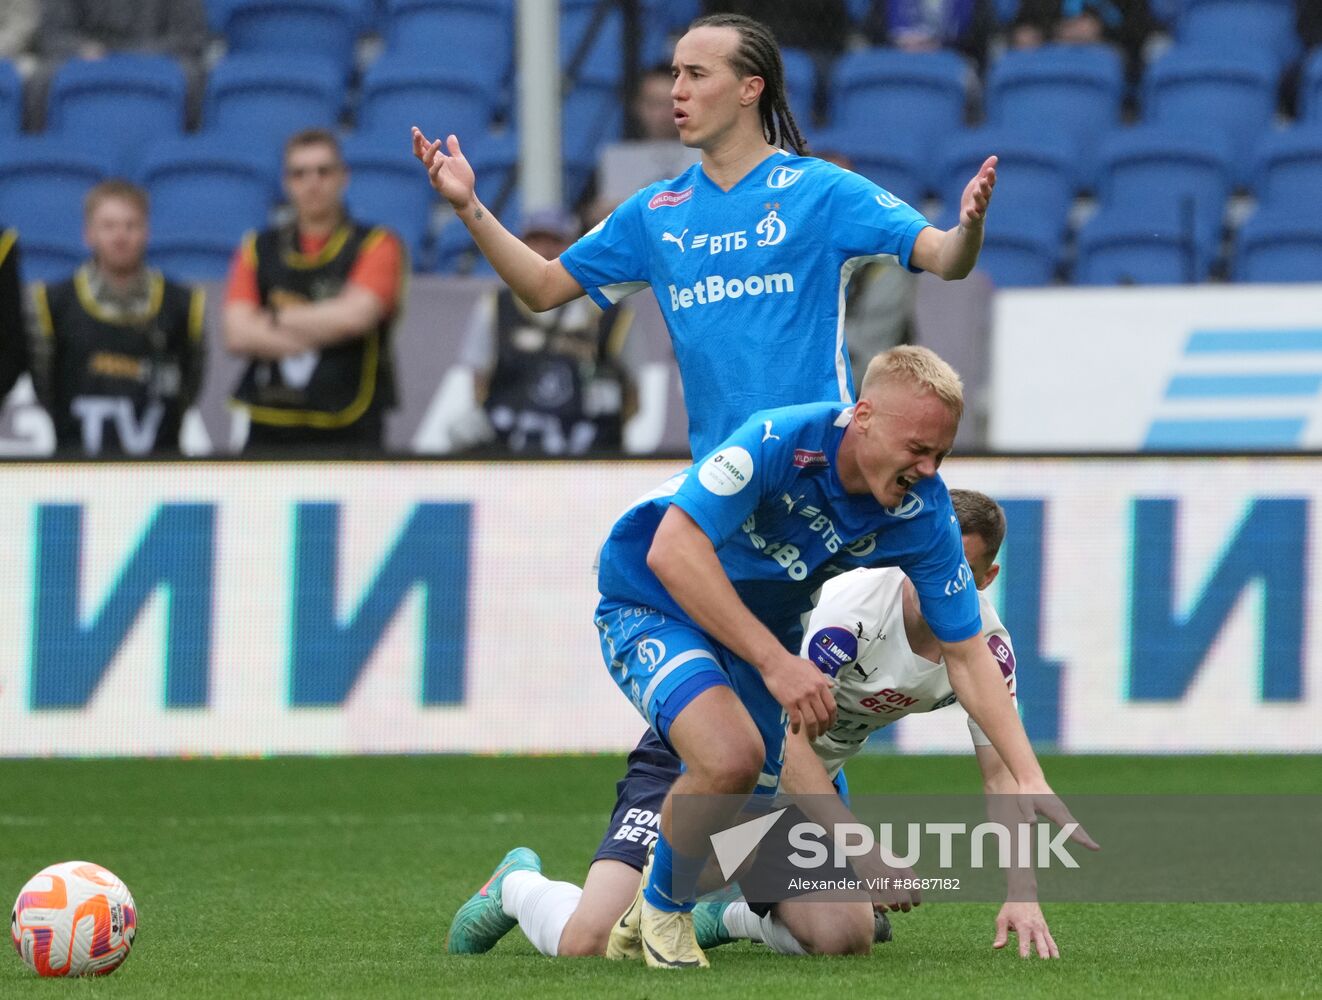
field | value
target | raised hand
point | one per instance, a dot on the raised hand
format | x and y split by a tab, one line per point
977	195
450	174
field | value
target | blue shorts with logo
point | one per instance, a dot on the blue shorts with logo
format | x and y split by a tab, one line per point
662	664
636	819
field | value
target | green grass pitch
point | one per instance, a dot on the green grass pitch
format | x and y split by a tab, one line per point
327	877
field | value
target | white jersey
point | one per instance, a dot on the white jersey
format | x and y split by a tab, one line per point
856	633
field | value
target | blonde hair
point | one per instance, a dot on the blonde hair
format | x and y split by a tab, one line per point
115	188
922	369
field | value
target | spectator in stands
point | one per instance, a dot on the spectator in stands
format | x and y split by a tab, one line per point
93	29
119	353
654	154
13	334
312	305
549	382
1126	23
927	25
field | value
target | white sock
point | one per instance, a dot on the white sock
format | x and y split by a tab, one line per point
541	907
777	937
745	925
742	923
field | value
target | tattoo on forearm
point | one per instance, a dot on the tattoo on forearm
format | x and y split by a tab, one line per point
477	214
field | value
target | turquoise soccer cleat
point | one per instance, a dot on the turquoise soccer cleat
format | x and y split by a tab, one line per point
708	922
481	922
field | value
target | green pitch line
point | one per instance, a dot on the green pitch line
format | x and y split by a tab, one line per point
328	877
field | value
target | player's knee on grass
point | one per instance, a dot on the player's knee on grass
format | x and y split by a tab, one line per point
583	939
829	927
607	893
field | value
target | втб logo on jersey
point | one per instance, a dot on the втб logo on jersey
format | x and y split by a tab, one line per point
783	177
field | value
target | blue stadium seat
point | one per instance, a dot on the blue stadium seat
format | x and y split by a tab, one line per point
800	83
125	101
50	260
386	187
581	20
1151	170
1073	90
592	115
1019	257
42	185
269	99
1287	171
210	185
1118	247
328	28
437	98
196	256
1310	88
422	31
1036	175
920	95
1239	25
890	161
1231	91
663	19
1283	244
11	99
495	163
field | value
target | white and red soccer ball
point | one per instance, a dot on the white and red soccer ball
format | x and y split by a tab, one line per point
74	919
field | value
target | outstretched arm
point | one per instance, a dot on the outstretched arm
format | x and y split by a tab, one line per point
952	254
978	683
1020	914
542	284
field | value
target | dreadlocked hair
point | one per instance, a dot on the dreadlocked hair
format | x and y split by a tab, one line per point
759	55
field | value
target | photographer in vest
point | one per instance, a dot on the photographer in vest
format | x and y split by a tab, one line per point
119	353
312	304
554	382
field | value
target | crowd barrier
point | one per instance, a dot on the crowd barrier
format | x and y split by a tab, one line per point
1156	604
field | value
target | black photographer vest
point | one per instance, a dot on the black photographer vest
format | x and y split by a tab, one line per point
336	387
119	385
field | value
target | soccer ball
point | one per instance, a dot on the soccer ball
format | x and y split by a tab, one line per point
74	919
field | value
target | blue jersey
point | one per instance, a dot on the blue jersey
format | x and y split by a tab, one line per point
751	281
772	504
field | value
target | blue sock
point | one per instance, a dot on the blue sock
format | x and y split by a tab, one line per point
674	880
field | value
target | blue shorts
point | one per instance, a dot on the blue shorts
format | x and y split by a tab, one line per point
661	664
636	819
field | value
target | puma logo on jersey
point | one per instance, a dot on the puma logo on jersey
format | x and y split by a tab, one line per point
677	240
766	432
